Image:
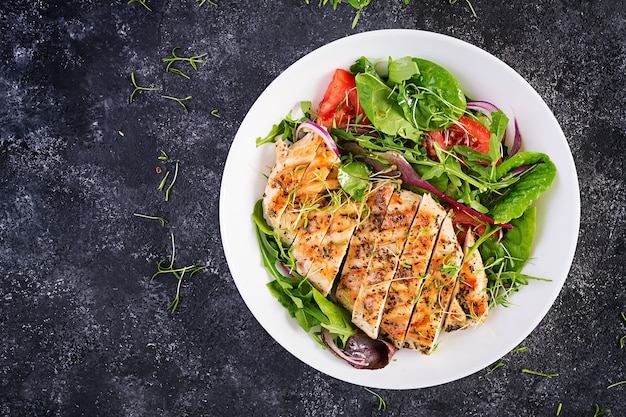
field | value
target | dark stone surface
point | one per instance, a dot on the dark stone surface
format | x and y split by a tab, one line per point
85	332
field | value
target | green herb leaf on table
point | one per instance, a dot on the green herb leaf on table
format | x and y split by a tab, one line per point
178	273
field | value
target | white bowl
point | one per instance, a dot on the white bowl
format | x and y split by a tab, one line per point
483	77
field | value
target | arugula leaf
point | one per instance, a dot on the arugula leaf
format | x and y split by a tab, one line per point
287	126
533	182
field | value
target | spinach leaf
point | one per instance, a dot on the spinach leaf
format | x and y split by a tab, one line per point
364	65
432	99
521	194
401	70
338	319
354	179
381	108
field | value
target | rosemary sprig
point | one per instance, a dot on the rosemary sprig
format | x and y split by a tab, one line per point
193	61
178	273
142	2
138	87
161	219
180	101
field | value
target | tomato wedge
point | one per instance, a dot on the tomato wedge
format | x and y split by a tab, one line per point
340	105
478	136
465	131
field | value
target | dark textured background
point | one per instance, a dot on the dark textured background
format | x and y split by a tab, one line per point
85	332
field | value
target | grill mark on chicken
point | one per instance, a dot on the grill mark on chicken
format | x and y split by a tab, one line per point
407	281
435	296
331	251
362	245
306	179
284	178
470	304
370	301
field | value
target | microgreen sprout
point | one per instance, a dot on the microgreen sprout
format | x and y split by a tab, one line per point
382	406
468	5
167	191
215	113
163	157
142	2
138	88
520	349
161	219
193	61
616	384
178	273
558	409
498	364
599	412
180	101
163	181
201	2
529	371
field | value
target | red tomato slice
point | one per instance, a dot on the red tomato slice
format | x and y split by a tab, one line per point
465	131
340	104
464	221
478	136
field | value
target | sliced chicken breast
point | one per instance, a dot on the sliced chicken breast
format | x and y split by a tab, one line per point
407	282
284	178
436	293
312	191
471	300
331	251
362	244
370	301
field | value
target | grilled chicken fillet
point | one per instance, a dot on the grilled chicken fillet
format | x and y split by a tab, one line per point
436	293
370	301
362	244
407	282
471	300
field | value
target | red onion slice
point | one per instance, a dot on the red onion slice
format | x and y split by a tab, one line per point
484	107
319	130
327	338
361	351
517	140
